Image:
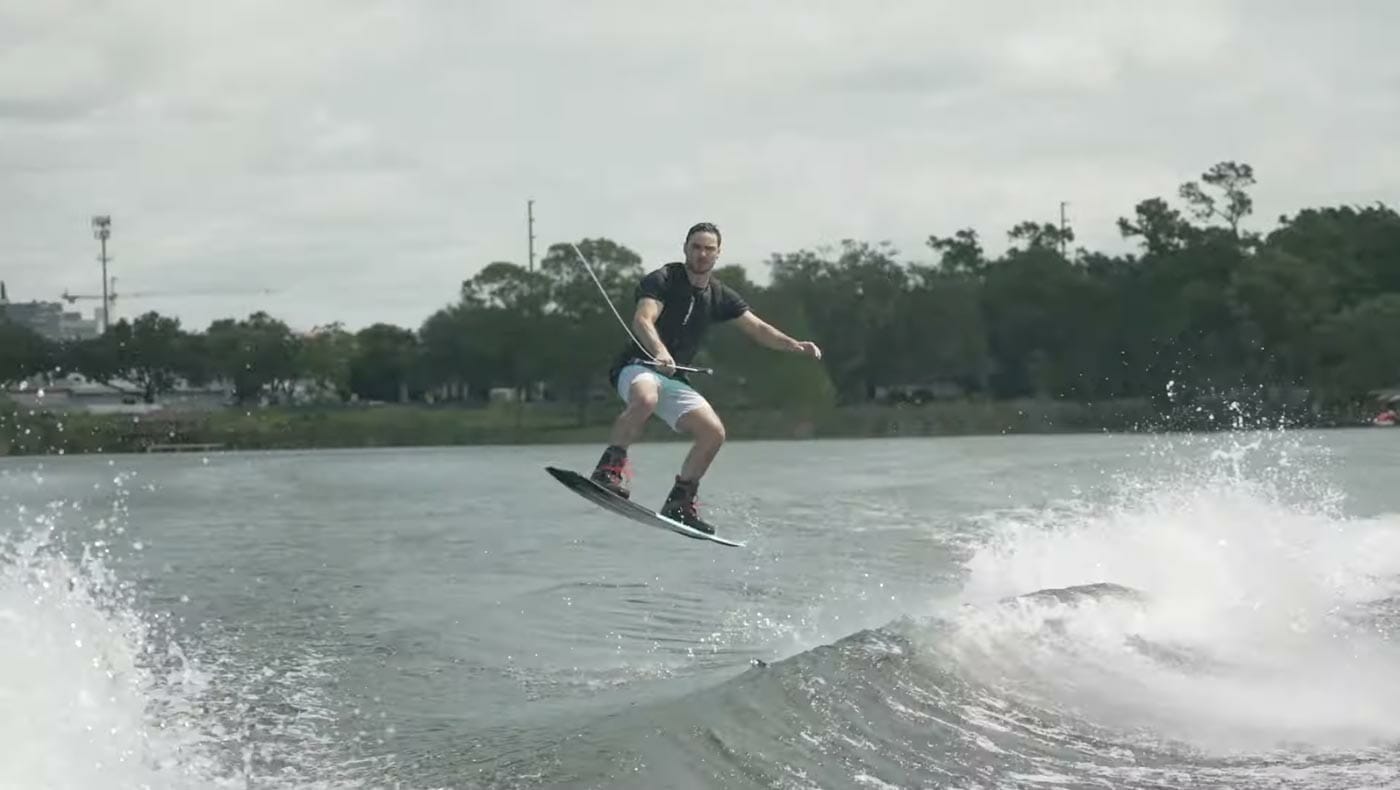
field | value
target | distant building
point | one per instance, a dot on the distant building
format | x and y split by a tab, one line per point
74	327
75	392
49	319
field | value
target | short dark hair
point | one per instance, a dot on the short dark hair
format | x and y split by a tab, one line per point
704	227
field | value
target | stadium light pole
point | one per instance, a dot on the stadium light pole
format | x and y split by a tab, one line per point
102	230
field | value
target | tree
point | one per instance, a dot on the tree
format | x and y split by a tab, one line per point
256	354
848	301
1280	299
508	305
1234	204
940	334
94	357
152	352
23	352
1162	228
1357	351
753	375
385	363
582	335
1041	235
456	354
960	253
325	356
1359	248
1047	323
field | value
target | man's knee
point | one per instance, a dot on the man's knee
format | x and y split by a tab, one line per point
642	401
718	434
706	426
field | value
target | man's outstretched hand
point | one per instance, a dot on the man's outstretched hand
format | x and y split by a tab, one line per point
809	348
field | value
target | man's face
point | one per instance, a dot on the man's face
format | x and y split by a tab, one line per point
701	252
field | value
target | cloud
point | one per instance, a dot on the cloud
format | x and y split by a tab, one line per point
361	159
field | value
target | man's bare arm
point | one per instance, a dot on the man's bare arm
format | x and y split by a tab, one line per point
766	334
644	326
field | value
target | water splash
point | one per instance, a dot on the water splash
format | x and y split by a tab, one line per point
97	691
79	679
1258	617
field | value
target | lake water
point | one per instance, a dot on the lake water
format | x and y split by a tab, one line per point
1083	611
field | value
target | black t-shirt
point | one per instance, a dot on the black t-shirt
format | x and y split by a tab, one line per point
686	314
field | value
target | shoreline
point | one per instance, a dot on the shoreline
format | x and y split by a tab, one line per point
349	427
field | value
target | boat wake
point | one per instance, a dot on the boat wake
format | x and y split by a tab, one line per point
1209	630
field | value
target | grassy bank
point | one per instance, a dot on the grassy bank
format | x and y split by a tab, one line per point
23	433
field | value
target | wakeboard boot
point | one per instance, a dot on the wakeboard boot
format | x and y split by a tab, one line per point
613	471
681	506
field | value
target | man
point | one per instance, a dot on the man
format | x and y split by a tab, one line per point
676	305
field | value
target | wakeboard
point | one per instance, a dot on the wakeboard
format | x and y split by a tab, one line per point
625	507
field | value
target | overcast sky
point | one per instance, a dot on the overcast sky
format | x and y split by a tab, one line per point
361	158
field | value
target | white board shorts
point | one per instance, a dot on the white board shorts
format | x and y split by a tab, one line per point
675	399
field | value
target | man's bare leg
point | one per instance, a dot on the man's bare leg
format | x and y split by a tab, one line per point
641	404
708	431
705	426
611	470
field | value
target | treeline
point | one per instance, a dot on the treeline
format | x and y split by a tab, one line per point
1204	311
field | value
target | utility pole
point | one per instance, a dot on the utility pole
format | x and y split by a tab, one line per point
102	229
530	228
1062	229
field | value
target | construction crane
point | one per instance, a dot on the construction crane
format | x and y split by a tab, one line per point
112	293
111	296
